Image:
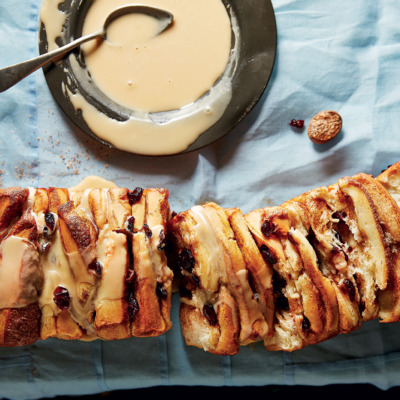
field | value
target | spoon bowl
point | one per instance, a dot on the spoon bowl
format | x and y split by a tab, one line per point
163	17
11	75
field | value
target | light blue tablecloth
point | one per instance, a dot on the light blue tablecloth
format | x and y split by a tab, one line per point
342	55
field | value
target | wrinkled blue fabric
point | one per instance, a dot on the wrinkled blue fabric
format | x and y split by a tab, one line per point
343	56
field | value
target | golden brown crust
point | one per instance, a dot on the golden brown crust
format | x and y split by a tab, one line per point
389	177
60	323
40	201
302	293
57	197
374	261
77	232
119	209
209	313
19	326
388	216
253	326
229	323
312	207
112	320
12	201
110	210
196	329
259	270
152	286
219	336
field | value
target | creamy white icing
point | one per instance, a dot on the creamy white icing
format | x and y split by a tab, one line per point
212	269
198	42
113	256
18	272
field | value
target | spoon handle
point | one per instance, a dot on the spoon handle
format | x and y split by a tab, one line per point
9	76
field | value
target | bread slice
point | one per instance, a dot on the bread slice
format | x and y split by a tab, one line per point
366	246
216	290
351	245
110	210
252	323
79	237
306	306
387	198
320	224
151	290
21	276
259	272
59	285
209	315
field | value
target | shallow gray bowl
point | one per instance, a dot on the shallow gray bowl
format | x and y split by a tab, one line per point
258	40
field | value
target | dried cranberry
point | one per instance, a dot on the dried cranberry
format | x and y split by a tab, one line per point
135	195
147	231
50	221
340	215
338	236
163	243
161	291
350	289
282	303
185	292
96	268
210	314
278	282
61	298
133	306
85	294
190	283
297	123
305	325
45	231
253	289
196	280
267	228
336	250
131	224
311	237
266	253
186	260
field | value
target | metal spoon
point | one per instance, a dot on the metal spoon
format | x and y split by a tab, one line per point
9	76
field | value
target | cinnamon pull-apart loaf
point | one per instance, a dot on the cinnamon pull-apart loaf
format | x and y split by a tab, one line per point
219	311
151	289
316	266
83	265
306	309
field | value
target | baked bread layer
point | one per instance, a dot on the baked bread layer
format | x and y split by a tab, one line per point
318	265
72	269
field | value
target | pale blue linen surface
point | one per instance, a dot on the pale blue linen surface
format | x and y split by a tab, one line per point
342	55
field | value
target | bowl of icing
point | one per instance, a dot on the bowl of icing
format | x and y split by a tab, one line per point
166	94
